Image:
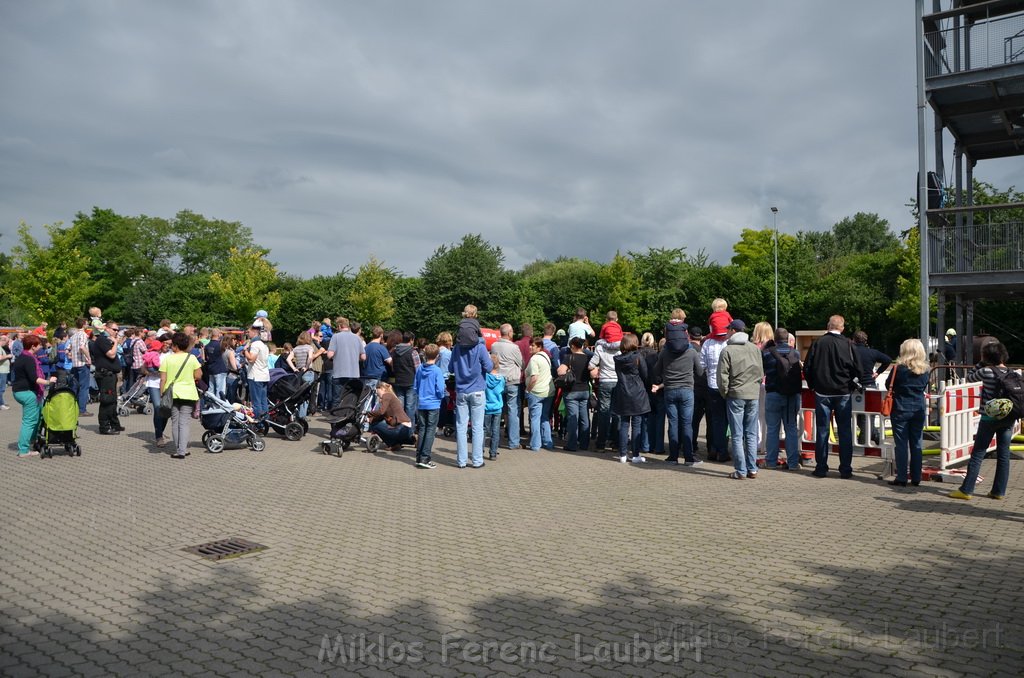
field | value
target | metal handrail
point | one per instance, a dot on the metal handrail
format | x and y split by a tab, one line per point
974	45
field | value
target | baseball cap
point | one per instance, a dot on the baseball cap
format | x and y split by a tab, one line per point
261	314
737	325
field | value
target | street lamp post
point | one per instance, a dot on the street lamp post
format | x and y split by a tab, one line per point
775	228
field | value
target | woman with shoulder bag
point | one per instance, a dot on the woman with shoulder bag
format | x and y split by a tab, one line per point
909	381
179	373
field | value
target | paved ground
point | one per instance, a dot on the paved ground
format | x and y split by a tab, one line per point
538	564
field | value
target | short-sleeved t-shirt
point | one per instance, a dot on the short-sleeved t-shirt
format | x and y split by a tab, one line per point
185	384
259	369
347	348
375	366
540	366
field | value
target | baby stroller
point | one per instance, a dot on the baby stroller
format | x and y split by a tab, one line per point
60	423
351	418
286	393
135	398
228	424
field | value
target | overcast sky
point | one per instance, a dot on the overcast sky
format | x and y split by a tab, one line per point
336	130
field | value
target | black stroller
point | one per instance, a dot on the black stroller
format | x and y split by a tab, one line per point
286	394
350	419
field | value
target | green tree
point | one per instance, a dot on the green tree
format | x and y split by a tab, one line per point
303	301
121	250
200	243
554	290
167	294
471	272
620	283
371	296
863	233
249	283
50	282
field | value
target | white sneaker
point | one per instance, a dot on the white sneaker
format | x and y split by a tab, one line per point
623	459
638	460
4	407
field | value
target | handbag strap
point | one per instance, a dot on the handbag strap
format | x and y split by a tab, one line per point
171	382
892	379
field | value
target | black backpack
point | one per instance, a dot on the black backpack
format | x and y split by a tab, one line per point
788	380
1011	387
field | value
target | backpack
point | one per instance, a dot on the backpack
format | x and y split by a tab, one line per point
1011	387
788	380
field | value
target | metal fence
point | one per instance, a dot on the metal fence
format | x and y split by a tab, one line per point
967	47
976	247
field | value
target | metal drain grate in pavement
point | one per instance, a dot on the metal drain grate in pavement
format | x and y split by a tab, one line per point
225	548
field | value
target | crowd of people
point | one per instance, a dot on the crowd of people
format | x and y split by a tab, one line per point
593	389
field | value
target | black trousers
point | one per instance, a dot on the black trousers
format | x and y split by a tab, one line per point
106	382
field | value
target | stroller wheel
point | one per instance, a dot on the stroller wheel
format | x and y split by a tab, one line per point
78	450
325	447
305	425
346	447
373	443
207	435
147	409
294	431
123	411
257	444
214	444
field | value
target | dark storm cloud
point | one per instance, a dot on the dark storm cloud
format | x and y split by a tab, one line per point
340	129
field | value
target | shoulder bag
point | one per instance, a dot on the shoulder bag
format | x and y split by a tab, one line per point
886	408
167	395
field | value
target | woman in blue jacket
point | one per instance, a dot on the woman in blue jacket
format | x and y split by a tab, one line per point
909	410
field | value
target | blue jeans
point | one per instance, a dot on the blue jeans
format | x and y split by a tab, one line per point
409	399
781	412
906	432
981	442
82	378
540	421
325	397
743	434
679	410
3	387
219	384
719	419
634	422
469	410
604	411
824	408
577	420
426	428
514	407
258	397
492	426
307	378
392	435
159	423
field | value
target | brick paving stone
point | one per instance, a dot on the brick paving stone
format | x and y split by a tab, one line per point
786	576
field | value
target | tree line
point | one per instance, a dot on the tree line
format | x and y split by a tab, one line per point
141	269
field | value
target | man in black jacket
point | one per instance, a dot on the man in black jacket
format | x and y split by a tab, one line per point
104	357
831	371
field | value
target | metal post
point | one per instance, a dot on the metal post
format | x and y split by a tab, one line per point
922	171
775	228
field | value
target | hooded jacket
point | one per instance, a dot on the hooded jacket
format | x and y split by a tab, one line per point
739	369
